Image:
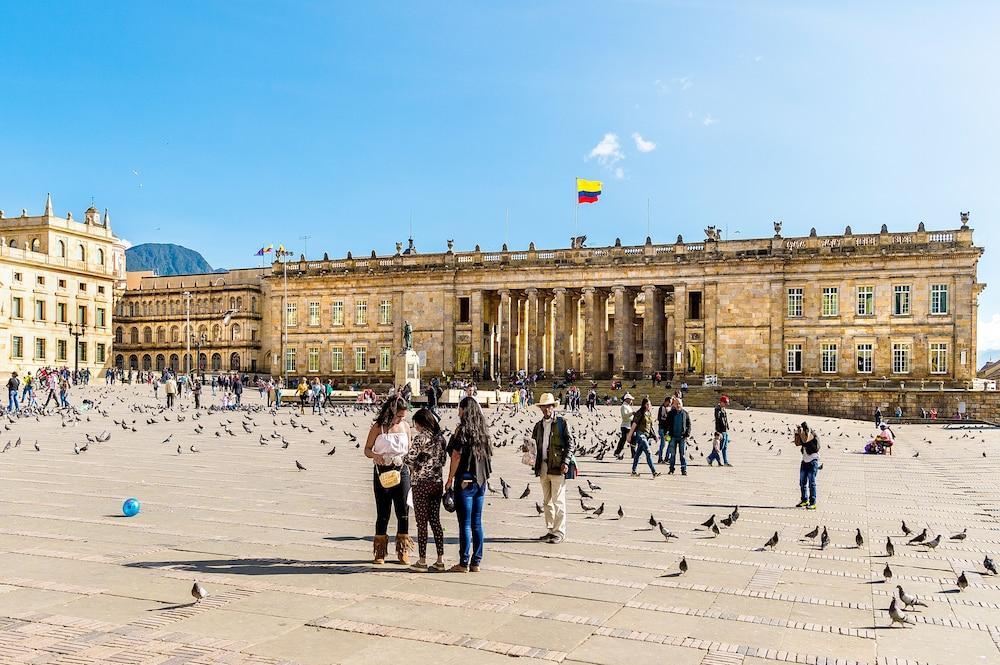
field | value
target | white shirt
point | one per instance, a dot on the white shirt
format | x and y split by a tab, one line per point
546	433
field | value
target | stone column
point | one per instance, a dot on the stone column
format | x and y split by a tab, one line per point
708	307
668	359
503	361
624	318
652	330
533	342
590	322
680	334
560	321
476	318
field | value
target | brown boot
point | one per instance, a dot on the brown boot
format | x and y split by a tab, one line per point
404	545
381	547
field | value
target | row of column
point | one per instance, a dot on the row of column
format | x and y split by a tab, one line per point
561	328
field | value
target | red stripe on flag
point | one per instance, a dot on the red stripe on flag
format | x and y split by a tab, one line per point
586	199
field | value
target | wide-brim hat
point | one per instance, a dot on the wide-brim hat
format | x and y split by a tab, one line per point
547	399
627	396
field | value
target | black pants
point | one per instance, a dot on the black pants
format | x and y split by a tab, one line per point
170	400
621	441
197	399
52	396
393	498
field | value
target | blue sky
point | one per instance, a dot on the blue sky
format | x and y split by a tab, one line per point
224	126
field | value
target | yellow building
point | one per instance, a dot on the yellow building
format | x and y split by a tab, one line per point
58	282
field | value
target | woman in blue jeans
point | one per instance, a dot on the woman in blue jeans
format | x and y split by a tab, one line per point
643	432
806	439
470	452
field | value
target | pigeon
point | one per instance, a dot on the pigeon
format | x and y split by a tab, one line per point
916	454
298	465
178	449
989	565
538	508
890	549
906	529
896	615
931	544
962	582
812	534
726	521
859	539
772	541
735	515
652	521
194	450
167	440
824	539
909	600
709	522
621	512
599	511
592	486
332	450
683	565
887	573
583	494
715	529
526	492
959	536
199	592
921	537
584	506
37	449
667	535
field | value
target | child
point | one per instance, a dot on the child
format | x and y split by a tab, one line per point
226	403
716	449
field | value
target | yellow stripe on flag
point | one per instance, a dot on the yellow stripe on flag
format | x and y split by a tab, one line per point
588	185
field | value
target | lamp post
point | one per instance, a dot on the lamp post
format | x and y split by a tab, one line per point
76	334
198	341
187	312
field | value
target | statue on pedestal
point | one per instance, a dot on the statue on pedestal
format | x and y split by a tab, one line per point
407	336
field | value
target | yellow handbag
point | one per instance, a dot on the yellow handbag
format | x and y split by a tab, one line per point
389	479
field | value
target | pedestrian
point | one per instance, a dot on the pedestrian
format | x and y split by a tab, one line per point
806	440
13	385
641	434
64	391
662	427
156	388
878	416
170	390
196	392
591	400
679	429
52	382
626	424
721	455
468	472
302	391
28	394
553	443
426	458
387	444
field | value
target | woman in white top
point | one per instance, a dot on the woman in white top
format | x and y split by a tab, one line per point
387	444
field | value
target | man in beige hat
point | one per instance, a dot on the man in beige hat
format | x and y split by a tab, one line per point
553	447
626	413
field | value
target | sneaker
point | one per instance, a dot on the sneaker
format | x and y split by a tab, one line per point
811	506
657	474
544	537
555	539
802	504
438	567
634	474
458	568
670	472
474	568
418	567
684	472
728	464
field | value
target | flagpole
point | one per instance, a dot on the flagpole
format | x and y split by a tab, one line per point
506	226
576	211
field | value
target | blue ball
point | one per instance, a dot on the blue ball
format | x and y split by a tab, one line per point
130	507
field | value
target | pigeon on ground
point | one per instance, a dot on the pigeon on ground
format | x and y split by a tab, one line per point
989	565
887	573
890	549
526	492
652	521
599	511
824	539
683	565
592	486
621	512
199	592
194	450
538	508
37	449
583	494
772	541
298	465
896	615
709	522
962	581
931	544
812	534
667	535
908	599
959	536
906	530
919	538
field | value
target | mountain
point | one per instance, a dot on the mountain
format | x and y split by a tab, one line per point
166	259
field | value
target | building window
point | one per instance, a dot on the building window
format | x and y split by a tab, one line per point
81	314
337	312
901	300
361	313
61	349
18	277
360	358
939	358
795	302
828	357
81	351
61	312
100	289
385	312
866	301
901	358
17	310
289	360
384	358
61	283
464	309
83	286
314	313
100	256
101	352
40	281
866	355
291	314
39	348
313	360
16	347
39	310
793	358
101	317
337	360
831	301
939	298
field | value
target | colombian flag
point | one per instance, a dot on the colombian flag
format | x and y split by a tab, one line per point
587	191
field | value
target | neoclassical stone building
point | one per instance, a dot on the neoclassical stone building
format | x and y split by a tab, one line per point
852	306
58	281
215	317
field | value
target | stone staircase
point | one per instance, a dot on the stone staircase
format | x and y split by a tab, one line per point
696	395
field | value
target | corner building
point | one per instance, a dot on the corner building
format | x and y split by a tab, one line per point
851	307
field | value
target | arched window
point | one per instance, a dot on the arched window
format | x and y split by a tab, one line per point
13	243
253	303
81	253
232	302
120	361
100	256
60	249
36	245
216	362
160	362
133	362
131	309
202	362
216	333
239	302
174	361
175	334
234	361
119	335
161	335
147	335
235	332
133	336
147	363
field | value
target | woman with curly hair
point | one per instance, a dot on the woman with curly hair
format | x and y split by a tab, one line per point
470	468
387	445
426	459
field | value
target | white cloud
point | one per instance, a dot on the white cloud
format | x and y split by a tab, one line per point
988	333
620	173
684	82
608	152
708	121
641	144
758	58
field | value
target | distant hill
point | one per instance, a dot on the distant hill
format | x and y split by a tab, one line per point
166	259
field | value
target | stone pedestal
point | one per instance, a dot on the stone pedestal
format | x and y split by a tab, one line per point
408	370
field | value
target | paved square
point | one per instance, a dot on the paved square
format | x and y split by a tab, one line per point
285	554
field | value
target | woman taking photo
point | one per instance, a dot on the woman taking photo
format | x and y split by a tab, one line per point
642	433
387	444
470	468
806	440
426	458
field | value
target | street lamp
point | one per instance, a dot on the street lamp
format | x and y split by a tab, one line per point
76	334
187	355
198	341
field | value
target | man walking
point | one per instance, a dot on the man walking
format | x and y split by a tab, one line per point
626	424
52	383
13	385
722	429
170	390
553	445
196	391
679	429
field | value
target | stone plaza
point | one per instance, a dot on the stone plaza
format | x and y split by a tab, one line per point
286	554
